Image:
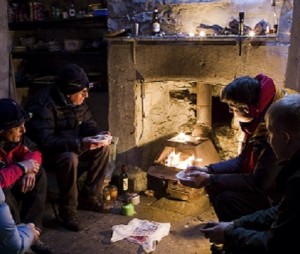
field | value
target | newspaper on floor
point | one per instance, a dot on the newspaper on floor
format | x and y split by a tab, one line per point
143	232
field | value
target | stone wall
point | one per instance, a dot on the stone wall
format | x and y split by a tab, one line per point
293	67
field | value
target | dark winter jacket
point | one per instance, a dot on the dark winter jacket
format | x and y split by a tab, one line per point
273	230
57	125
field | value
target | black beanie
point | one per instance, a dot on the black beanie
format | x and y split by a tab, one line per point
73	79
11	114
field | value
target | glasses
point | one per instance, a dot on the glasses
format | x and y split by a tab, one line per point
89	85
84	92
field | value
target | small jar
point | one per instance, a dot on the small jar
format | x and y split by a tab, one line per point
106	200
113	190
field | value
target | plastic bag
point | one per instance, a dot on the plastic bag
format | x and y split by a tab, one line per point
143	232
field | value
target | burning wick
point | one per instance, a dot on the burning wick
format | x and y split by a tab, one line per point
251	33
198	160
181	136
202	34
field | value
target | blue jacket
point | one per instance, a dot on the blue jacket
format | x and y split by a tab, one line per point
13	238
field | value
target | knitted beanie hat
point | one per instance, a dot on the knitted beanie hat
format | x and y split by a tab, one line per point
73	79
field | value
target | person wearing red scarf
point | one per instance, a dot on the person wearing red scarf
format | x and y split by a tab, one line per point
246	183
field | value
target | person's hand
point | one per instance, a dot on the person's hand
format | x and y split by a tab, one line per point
191	169
35	231
195	179
214	231
32	166
105	133
28	182
94	142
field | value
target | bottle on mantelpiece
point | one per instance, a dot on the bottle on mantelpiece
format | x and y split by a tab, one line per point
123	181
155	22
72	10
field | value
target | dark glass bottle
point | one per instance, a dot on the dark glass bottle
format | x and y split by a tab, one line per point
72	10
123	181
155	22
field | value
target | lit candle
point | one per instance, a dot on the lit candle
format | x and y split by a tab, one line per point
181	136
251	33
202	34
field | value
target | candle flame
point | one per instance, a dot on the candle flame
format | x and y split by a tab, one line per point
251	33
202	33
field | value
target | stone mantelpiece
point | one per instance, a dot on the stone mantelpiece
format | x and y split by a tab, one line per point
135	67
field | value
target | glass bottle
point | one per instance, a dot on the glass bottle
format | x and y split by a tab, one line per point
155	22
72	11
113	192
123	181
106	200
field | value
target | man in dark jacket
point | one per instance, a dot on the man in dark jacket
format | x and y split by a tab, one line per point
272	230
244	184
63	127
22	178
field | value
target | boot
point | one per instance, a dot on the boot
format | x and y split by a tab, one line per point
69	219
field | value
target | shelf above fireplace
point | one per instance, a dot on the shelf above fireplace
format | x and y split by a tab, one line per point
211	40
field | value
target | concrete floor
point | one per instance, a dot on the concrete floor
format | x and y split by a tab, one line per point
184	237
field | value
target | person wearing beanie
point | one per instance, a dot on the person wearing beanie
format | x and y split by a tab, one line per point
22	178
68	136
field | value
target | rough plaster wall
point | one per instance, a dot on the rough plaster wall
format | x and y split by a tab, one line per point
4	51
293	67
163	114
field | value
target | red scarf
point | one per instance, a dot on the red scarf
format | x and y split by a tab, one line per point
267	93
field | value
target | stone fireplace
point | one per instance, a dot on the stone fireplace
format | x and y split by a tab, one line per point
153	86
156	84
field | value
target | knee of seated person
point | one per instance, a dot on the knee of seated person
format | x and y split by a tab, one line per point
106	149
69	156
225	197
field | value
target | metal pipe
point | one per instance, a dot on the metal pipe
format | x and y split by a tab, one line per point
204	104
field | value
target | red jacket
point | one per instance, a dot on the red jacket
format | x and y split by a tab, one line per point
10	172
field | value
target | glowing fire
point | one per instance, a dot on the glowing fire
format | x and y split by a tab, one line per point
174	160
178	159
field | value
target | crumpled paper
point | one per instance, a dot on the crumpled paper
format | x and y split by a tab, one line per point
143	232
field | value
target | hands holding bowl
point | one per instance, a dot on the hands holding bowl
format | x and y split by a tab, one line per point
194	177
100	140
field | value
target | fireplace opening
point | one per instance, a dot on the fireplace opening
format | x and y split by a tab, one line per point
200	147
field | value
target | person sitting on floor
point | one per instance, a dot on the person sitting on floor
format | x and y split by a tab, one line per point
244	184
25	197
14	238
272	230
68	136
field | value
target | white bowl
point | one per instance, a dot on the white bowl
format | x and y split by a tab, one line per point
183	177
